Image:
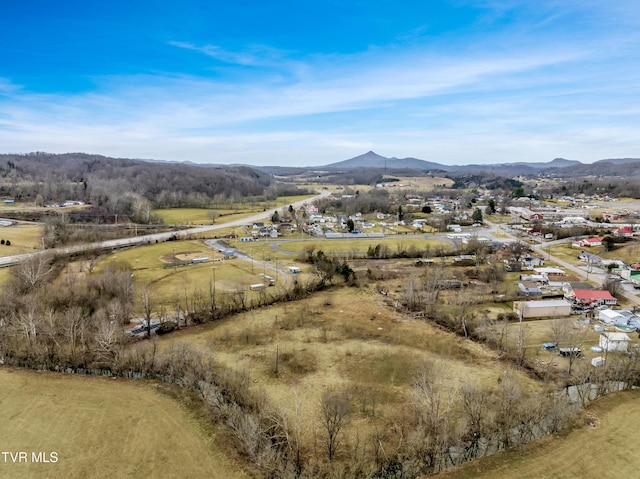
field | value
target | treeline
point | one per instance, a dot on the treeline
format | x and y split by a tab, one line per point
123	186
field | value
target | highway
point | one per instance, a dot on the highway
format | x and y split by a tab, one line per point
152	238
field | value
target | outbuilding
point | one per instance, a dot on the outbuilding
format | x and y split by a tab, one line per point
614	342
542	309
610	317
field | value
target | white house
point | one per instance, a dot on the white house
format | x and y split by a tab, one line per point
618	342
609	316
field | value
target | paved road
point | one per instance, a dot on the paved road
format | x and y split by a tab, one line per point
597	276
151	238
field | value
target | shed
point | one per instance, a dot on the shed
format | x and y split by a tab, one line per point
542	309
609	316
618	342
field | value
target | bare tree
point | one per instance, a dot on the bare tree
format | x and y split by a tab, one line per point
335	413
33	271
518	249
107	338
475	408
614	287
433	399
147	300
213	215
73	329
508	397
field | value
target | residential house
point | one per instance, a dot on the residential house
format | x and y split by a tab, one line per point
530	261
529	289
587	242
617	342
589	258
625	232
590	298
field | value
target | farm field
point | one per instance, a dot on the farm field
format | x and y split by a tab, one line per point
607	439
24	238
103	428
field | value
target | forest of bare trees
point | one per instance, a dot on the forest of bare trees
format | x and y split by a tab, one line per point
129	188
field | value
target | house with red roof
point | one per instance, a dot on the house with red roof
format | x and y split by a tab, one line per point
625	231
590	298
587	242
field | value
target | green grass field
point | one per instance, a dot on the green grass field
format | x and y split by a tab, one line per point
103	428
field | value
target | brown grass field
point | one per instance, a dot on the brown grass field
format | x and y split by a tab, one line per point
24	238
341	340
103	428
423	182
602	446
151	265
542	330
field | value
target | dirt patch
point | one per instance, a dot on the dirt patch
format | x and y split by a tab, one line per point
183	256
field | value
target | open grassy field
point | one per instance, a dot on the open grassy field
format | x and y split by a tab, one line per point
152	266
24	238
200	216
103	428
602	447
345	340
629	253
360	246
423	182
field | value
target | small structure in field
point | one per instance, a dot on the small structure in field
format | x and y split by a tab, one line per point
614	342
542	309
204	259
610	317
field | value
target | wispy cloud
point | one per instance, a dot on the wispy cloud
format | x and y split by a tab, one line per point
254	55
507	95
6	86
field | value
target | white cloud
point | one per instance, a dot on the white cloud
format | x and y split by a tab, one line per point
508	94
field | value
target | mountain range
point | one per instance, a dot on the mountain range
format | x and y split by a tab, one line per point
558	166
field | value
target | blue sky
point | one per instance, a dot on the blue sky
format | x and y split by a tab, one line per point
308	83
